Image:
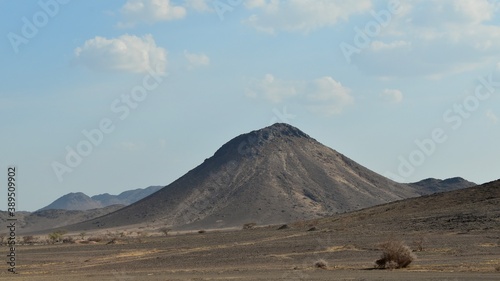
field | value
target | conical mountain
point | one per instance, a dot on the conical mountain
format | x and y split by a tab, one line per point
274	175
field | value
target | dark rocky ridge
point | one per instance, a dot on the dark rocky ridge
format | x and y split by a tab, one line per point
431	185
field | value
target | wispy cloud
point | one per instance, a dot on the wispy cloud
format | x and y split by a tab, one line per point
392	95
323	96
272	89
328	97
149	11
196	60
301	15
421	32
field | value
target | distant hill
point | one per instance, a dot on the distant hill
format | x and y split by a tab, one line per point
273	175
73	201
127	197
49	219
80	201
430	185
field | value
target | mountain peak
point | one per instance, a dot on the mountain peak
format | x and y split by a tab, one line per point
252	143
282	130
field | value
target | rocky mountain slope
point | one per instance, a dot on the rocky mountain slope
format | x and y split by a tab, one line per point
273	175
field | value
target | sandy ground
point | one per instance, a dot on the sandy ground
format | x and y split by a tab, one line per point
261	254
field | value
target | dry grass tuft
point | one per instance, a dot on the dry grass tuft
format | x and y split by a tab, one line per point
321	264
395	255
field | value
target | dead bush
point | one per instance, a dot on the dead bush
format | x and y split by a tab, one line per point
30	239
68	240
395	255
321	264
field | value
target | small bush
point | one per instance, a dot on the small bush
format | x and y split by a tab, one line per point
321	264
68	240
57	235
202	231
30	239
395	255
249	225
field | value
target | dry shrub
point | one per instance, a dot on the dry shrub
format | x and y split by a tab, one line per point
68	240
321	264
395	255
202	231
30	239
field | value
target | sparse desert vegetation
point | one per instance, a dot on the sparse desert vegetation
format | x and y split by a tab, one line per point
395	255
321	264
56	236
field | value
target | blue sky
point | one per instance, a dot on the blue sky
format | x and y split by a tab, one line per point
106	96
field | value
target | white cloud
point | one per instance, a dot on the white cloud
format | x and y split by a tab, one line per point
323	96
126	53
301	15
196	60
150	11
436	37
272	89
392	95
198	5
492	116
329	97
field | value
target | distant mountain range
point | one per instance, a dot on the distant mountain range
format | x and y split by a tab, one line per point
81	202
431	185
273	175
